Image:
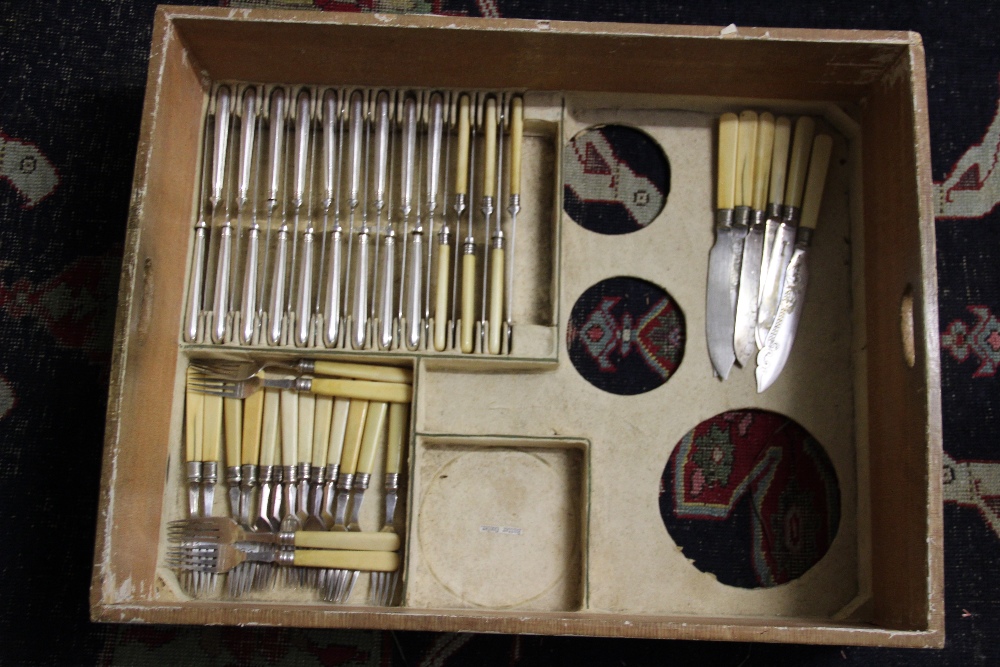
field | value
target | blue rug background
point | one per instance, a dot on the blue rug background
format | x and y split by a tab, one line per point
73	77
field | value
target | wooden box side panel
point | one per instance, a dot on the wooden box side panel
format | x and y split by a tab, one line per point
151	298
790	64
904	384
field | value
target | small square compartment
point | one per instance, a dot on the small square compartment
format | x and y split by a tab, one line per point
518	542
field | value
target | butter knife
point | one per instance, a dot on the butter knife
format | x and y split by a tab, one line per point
778	344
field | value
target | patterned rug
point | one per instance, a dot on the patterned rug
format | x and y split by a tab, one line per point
73	75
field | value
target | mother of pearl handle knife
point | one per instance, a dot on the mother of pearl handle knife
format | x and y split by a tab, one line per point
772	357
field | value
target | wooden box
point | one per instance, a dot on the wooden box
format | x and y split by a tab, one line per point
871	389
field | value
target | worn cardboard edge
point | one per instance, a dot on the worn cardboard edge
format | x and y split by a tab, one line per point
564	624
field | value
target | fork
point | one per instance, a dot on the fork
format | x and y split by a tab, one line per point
222	530
384	584
218	558
228	369
366	390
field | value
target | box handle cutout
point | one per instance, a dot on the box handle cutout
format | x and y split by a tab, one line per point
906	327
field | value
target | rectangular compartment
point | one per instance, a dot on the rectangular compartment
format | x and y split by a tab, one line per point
868	393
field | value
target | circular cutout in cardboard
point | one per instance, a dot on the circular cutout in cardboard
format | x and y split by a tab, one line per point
615	179
626	335
751	497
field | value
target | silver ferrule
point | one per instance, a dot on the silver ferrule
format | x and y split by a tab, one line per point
757	219
791	216
803	237
289	475
741	217
469	247
285	539
209	471
361	481
193	471
304	470
284	557
318	475
723	218
249	474
487	208
303	384
332	470
345	481
460	203
267	474
392	481
444	236
497	241
775	211
233	475
515	205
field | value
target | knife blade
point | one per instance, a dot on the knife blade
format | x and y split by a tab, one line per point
720	345
744	340
779	168
784	239
778	344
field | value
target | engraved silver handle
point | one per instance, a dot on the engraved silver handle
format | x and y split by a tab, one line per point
388	276
435	133
248	306
222	113
246	145
197	281
329	144
276	143
361	293
331	314
221	302
413	321
302	318
277	305
356	130
301	146
381	147
409	153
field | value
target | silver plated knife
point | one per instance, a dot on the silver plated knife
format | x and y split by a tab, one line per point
778	344
784	240
717	312
744	340
779	169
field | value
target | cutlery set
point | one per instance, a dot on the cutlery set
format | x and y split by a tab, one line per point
770	186
301	442
356	219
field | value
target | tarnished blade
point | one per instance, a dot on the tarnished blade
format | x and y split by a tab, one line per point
719	315
744	340
778	344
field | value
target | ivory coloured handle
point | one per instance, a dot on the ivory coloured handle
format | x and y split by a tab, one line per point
797	166
399	415
390	392
321	430
364	541
374	431
289	426
818	166
365	561
745	154
728	129
338	429
441	298
253	415
232	410
307	415
194	420
468	301
496	299
779	159
762	161
462	163
516	139
490	148
269	428
353	436
363	371
213	428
